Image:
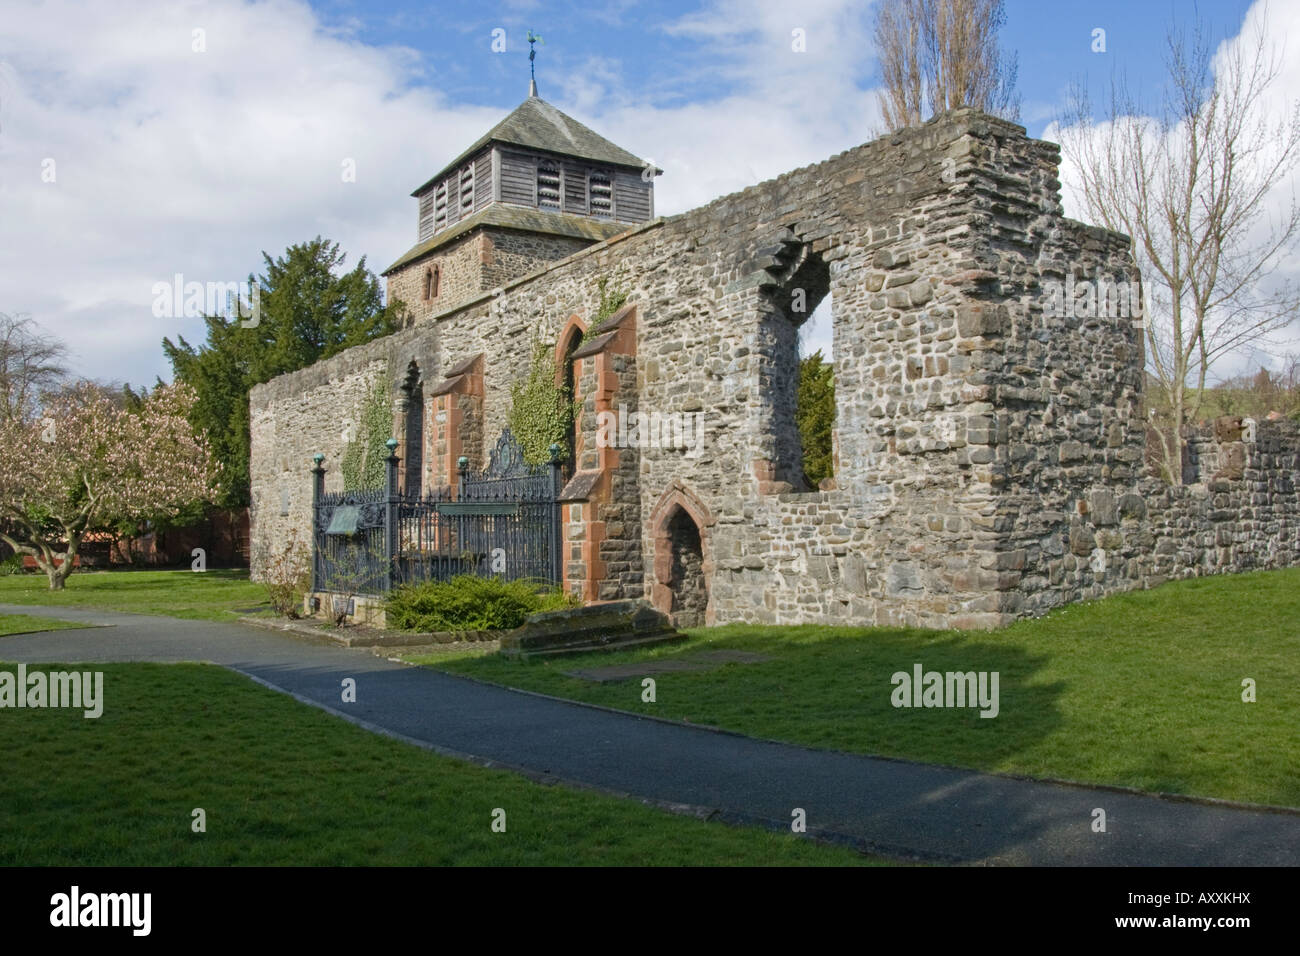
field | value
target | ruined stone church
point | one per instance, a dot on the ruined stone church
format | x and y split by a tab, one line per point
988	451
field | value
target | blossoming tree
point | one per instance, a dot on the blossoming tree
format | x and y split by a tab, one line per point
84	462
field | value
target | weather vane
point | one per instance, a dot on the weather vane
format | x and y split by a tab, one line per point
532	57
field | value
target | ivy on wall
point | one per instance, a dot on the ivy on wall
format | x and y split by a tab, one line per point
540	410
363	458
611	300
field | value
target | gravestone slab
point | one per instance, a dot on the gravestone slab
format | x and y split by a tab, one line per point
613	625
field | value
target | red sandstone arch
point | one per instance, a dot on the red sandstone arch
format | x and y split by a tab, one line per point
679	498
567	341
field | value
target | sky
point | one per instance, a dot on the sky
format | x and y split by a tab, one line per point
144	140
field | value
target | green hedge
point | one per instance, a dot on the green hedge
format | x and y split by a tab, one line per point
470	603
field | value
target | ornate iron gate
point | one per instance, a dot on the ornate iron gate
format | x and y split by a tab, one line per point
504	520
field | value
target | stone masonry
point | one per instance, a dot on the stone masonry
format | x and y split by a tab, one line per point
473	264
989	456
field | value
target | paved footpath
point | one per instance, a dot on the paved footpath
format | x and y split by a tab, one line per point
889	806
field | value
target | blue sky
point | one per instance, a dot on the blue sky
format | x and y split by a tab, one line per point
655	62
176	160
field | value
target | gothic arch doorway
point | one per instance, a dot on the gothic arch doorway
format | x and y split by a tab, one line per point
682	564
690	593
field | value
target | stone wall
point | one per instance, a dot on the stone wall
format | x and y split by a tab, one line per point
604	560
1238	511
1062	424
477	262
508	254
296	416
460	266
987	447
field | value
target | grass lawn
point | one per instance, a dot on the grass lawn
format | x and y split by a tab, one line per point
208	595
440	657
284	783
26	624
1142	689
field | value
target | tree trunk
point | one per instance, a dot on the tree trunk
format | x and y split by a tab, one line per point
59	575
56	575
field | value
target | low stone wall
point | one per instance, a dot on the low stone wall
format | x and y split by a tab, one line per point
1241	513
1239	510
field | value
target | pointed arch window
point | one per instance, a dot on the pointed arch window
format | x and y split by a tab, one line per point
432	278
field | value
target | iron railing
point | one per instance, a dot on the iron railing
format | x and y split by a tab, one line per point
503	521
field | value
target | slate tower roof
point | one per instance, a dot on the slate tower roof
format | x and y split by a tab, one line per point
536	124
537	171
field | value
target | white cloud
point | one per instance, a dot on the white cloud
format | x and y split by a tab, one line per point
170	160
1277	21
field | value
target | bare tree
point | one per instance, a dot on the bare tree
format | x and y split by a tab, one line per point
937	55
1193	184
31	363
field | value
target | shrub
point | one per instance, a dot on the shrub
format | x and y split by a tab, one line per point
11	565
470	603
286	573
346	577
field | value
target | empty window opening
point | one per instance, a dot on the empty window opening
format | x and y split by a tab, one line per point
798	382
815	398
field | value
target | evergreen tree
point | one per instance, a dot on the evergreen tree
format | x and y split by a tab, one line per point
815	416
307	309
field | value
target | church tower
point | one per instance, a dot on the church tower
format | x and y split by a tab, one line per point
535	188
